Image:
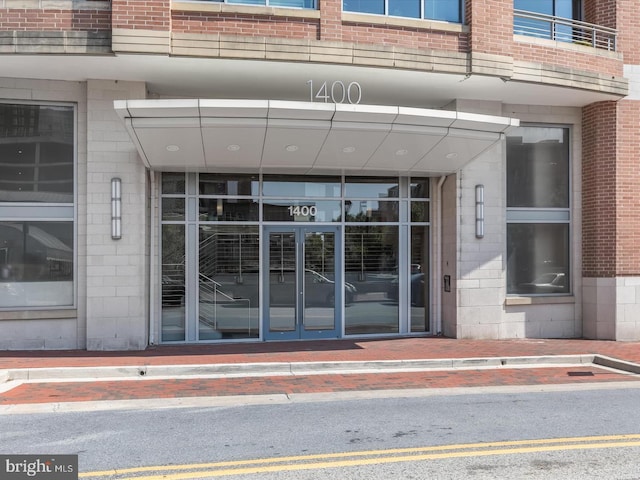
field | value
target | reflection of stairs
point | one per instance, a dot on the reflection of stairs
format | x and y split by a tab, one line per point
211	299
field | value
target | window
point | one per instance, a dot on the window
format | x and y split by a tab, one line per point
37	159
536	19
538	215
274	3
444	10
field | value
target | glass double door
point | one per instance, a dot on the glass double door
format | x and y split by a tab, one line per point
302	282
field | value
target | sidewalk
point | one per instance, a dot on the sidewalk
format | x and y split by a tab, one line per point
291	368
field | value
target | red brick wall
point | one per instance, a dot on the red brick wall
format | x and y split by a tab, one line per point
628	25
600	12
330	20
491	26
610	193
405	37
245	25
527	52
599	189
54	20
627	188
142	14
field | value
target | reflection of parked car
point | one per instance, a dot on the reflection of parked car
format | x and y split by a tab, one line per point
417	290
172	290
546	283
319	290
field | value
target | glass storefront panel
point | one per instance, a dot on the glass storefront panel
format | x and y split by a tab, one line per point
218	184
221	239
36	264
37	152
173	209
302	210
537	258
371	263
283	290
301	186
420	211
419	187
419	279
173	283
229	210
538	167
371	211
371	187
319	281
228	280
173	183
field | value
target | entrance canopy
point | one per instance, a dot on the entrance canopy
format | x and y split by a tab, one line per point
304	137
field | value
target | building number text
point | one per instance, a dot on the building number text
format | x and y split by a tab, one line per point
335	92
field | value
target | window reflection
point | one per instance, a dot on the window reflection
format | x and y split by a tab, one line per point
371	264
228	210
537	258
228	184
538	167
370	211
37	152
301	187
228	282
36	263
367	187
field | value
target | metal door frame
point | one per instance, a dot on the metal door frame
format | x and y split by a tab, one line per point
300	333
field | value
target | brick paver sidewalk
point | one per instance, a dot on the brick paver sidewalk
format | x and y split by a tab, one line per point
317	351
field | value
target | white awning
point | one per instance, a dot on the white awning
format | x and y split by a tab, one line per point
302	137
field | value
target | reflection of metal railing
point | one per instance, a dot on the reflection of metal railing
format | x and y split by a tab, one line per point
211	296
563	29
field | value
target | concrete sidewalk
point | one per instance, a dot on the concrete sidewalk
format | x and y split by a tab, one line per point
315	367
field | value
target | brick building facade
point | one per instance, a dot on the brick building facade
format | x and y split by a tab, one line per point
214	171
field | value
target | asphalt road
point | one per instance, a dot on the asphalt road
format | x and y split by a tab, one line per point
569	435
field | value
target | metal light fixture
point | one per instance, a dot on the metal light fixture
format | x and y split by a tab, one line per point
479	211
116	208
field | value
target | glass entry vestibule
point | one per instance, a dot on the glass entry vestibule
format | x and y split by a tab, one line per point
292	257
302	289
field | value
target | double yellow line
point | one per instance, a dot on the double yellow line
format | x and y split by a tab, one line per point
367	457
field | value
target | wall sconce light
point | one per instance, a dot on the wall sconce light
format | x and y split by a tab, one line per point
116	208
479	211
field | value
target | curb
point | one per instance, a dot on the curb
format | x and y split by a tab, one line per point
303	368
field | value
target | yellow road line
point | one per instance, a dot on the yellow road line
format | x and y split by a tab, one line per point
381	456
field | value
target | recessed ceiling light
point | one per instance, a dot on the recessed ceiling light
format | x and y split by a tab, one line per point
451	155
349	149
402	151
291	148
233	148
172	148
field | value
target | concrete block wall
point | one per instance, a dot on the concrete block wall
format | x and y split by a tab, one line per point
481	278
117	270
61	328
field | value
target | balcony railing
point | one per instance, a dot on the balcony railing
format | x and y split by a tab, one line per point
563	30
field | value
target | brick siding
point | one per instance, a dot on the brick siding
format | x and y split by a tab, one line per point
54	20
491	26
142	14
244	25
527	52
610	194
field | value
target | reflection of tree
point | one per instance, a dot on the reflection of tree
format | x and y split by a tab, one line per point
319	252
371	248
173	246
